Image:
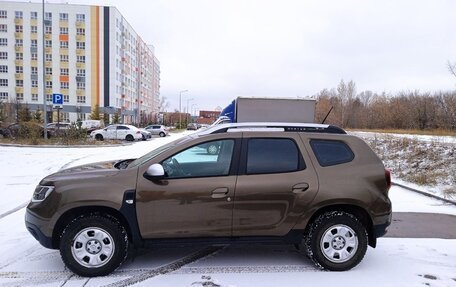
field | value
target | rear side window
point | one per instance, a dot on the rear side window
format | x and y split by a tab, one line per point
272	156
330	152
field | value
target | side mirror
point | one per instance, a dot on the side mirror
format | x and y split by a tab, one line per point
155	172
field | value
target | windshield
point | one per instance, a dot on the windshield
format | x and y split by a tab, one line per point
157	151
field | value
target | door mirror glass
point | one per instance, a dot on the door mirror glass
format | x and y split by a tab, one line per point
155	172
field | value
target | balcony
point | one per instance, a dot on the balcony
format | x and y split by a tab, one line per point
48	50
19	35
48	64
80	79
80	38
48	36
18	21
19	89
34	63
63	51
80	52
80	92
19	76
80	24
34	77
48	91
34	36
19	62
34	90
33	22
64	65
48	77
80	65
33	49
63	23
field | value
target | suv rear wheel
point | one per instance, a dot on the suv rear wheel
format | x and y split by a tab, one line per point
94	245
161	134
336	241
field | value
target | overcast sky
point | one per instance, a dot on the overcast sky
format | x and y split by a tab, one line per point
219	50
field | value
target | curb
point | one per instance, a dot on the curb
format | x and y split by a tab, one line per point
425	193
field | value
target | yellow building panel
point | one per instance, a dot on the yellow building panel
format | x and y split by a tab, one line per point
18	21
19	76
19	62
19	35
95	54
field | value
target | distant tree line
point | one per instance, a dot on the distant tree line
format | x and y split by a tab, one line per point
369	110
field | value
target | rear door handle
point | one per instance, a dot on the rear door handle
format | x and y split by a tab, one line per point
300	187
220	192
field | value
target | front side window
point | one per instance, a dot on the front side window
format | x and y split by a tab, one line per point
197	161
272	155
331	152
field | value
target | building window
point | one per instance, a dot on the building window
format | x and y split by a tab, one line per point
3	14
3	42
3	82
64	30
20	96
66	98
34	97
80	85
64	72
34	70
64	44
19	83
4	96
63	17
3	28
33	15
34	43
64	58
19	56
65	116
49	85
48	29
48	97
19	29
81	73
33	29
3	55
80	45
34	56
19	42
48	43
80	31
18	14
80	59
48	16
3	69
48	70
49	57
81	99
34	83
19	70
80	17
64	85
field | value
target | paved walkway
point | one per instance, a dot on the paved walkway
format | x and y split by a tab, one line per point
422	225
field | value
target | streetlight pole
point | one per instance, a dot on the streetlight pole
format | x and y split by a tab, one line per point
44	75
188	100
180	107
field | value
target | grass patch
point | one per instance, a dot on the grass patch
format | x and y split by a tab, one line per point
58	141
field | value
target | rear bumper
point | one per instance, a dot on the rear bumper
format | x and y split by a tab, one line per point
380	230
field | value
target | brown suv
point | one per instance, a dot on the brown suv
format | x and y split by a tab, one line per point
305	184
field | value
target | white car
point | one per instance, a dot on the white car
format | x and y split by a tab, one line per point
117	132
160	130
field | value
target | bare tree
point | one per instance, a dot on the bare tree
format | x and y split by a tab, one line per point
452	68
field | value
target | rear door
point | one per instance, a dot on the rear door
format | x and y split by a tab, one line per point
122	132
275	185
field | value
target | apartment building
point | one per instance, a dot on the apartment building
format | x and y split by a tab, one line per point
92	56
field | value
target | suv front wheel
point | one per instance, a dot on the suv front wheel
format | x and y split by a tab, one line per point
94	245
336	241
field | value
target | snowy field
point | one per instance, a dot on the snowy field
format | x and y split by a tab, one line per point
395	261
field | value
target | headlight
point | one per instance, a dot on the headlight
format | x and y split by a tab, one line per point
41	192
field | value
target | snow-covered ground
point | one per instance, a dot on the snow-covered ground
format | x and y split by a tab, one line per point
395	261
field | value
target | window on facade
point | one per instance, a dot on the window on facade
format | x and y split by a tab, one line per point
80	45
33	29
33	15
80	17
34	56
3	28
272	155
48	70
48	57
19	28
64	44
3	55
64	85
81	99
19	83
80	59
34	70
34	97
34	83
19	43
64	30
48	43
20	96
19	56
3	14
3	82
80	31
64	71
49	85
331	152
66	98
48	29
48	97
48	16
18	14
196	162
34	43
3	69
4	96
19	69
80	85
63	17
63	58
80	72
3	42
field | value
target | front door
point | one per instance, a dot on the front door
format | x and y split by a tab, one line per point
194	199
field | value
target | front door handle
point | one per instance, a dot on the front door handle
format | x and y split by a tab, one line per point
220	192
300	187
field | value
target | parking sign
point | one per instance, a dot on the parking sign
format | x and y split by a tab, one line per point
57	100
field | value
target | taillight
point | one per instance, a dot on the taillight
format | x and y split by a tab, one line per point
388	178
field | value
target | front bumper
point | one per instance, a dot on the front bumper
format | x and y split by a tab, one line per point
32	224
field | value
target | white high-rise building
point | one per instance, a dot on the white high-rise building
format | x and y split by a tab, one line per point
92	56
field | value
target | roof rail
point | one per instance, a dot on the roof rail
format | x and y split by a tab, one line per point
272	126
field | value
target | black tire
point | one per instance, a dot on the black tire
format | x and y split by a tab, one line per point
346	235
85	224
212	149
162	134
99	137
129	138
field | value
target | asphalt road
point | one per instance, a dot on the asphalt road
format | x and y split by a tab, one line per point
422	225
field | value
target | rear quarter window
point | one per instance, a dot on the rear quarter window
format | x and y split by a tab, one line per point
331	152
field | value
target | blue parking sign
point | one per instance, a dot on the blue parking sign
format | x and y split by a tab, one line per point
57	99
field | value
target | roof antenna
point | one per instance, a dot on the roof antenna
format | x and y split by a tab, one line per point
327	115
